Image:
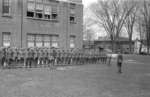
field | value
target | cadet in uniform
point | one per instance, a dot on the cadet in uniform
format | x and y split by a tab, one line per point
28	59
54	54
35	57
19	57
63	57
6	58
9	57
40	57
3	57
46	57
51	58
57	57
68	57
22	56
73	58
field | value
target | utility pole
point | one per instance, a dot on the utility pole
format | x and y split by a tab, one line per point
21	21
67	24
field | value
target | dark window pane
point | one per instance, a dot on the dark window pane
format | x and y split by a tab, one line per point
6	6
47	16
6	9
72	5
54	16
39	15
30	14
72	19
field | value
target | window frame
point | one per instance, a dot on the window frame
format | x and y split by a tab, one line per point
72	41
74	18
49	40
51	15
9	40
39	41
6	4
28	40
56	41
46	41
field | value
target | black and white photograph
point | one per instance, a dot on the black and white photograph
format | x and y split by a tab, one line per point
74	48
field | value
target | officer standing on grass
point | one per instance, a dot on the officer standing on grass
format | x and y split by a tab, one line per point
119	62
1	56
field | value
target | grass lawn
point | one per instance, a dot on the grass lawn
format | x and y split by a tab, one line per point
80	81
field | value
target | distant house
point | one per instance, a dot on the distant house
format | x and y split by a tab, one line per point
89	47
140	44
122	44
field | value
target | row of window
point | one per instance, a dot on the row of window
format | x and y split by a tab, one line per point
6	7
38	40
41	1
35	40
39	9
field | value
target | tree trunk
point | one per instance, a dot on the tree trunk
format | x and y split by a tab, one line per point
130	45
148	49
140	49
112	45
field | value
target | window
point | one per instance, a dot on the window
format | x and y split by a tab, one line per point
31	8
39	7
72	41
38	41
6	7
39	1
54	16
72	19
72	5
72	11
47	1
6	39
42	10
54	41
47	11
72	15
39	10
46	41
31	0
39	15
54	12
30	14
30	40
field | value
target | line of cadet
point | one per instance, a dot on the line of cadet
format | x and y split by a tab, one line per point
43	57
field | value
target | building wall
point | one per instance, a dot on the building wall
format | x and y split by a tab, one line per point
11	23
63	28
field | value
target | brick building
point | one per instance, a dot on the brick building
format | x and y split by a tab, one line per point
41	23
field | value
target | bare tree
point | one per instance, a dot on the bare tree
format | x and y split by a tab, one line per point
141	32
146	23
111	14
130	22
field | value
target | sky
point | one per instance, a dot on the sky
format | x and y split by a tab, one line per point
88	2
